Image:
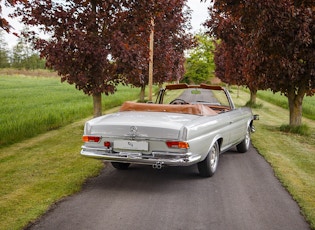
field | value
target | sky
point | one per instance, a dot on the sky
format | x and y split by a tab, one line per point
199	15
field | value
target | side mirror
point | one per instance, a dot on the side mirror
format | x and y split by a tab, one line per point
256	117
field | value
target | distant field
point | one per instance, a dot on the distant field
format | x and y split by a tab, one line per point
34	105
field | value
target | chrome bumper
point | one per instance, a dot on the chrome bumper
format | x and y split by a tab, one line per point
163	158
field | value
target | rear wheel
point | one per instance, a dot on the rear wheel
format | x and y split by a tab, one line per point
208	166
121	166
244	145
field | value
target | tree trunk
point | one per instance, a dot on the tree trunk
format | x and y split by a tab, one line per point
142	93
97	104
253	96
97	97
295	106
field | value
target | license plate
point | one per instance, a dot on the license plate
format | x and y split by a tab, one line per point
131	145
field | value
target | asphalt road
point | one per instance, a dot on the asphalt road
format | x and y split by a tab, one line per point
243	194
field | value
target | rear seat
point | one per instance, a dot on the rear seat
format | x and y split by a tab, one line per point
196	109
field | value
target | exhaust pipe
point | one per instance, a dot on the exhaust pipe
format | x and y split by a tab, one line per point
157	165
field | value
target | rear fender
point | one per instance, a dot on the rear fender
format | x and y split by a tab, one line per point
218	139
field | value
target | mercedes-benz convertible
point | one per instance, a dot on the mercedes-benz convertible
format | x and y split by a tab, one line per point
187	124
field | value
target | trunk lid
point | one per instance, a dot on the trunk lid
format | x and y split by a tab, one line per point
140	125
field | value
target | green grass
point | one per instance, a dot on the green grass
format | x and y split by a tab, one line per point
30	106
37	172
282	101
40	171
301	129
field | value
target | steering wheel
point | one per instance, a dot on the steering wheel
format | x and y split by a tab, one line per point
178	101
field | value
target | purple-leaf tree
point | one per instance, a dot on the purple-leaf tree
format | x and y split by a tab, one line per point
267	45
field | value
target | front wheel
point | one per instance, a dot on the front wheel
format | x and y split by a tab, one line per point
121	166
208	166
244	145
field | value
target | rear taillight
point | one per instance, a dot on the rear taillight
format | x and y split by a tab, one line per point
177	144
107	144
91	138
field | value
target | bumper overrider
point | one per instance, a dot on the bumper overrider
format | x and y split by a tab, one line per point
155	158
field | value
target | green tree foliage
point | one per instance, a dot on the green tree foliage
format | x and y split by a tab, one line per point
24	56
22	59
200	64
34	61
4	59
269	44
4	54
17	56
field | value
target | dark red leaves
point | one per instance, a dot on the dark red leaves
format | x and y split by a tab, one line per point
99	44
265	44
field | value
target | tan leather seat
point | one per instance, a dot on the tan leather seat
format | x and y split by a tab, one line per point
196	109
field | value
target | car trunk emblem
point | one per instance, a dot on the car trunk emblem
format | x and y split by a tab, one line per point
133	131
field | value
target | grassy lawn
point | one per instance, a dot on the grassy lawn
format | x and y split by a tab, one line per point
37	172
40	171
282	101
32	105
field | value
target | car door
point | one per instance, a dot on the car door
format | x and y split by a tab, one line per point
237	125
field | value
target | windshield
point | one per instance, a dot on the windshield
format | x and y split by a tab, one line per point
196	96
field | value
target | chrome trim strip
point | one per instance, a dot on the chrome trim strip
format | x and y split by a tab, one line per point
167	158
126	137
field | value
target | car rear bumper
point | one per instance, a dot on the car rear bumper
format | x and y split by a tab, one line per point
161	158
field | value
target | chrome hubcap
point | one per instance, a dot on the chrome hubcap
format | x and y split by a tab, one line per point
213	158
247	138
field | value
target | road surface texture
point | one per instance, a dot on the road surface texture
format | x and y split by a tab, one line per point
243	195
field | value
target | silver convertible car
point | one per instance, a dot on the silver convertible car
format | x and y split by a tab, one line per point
188	124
